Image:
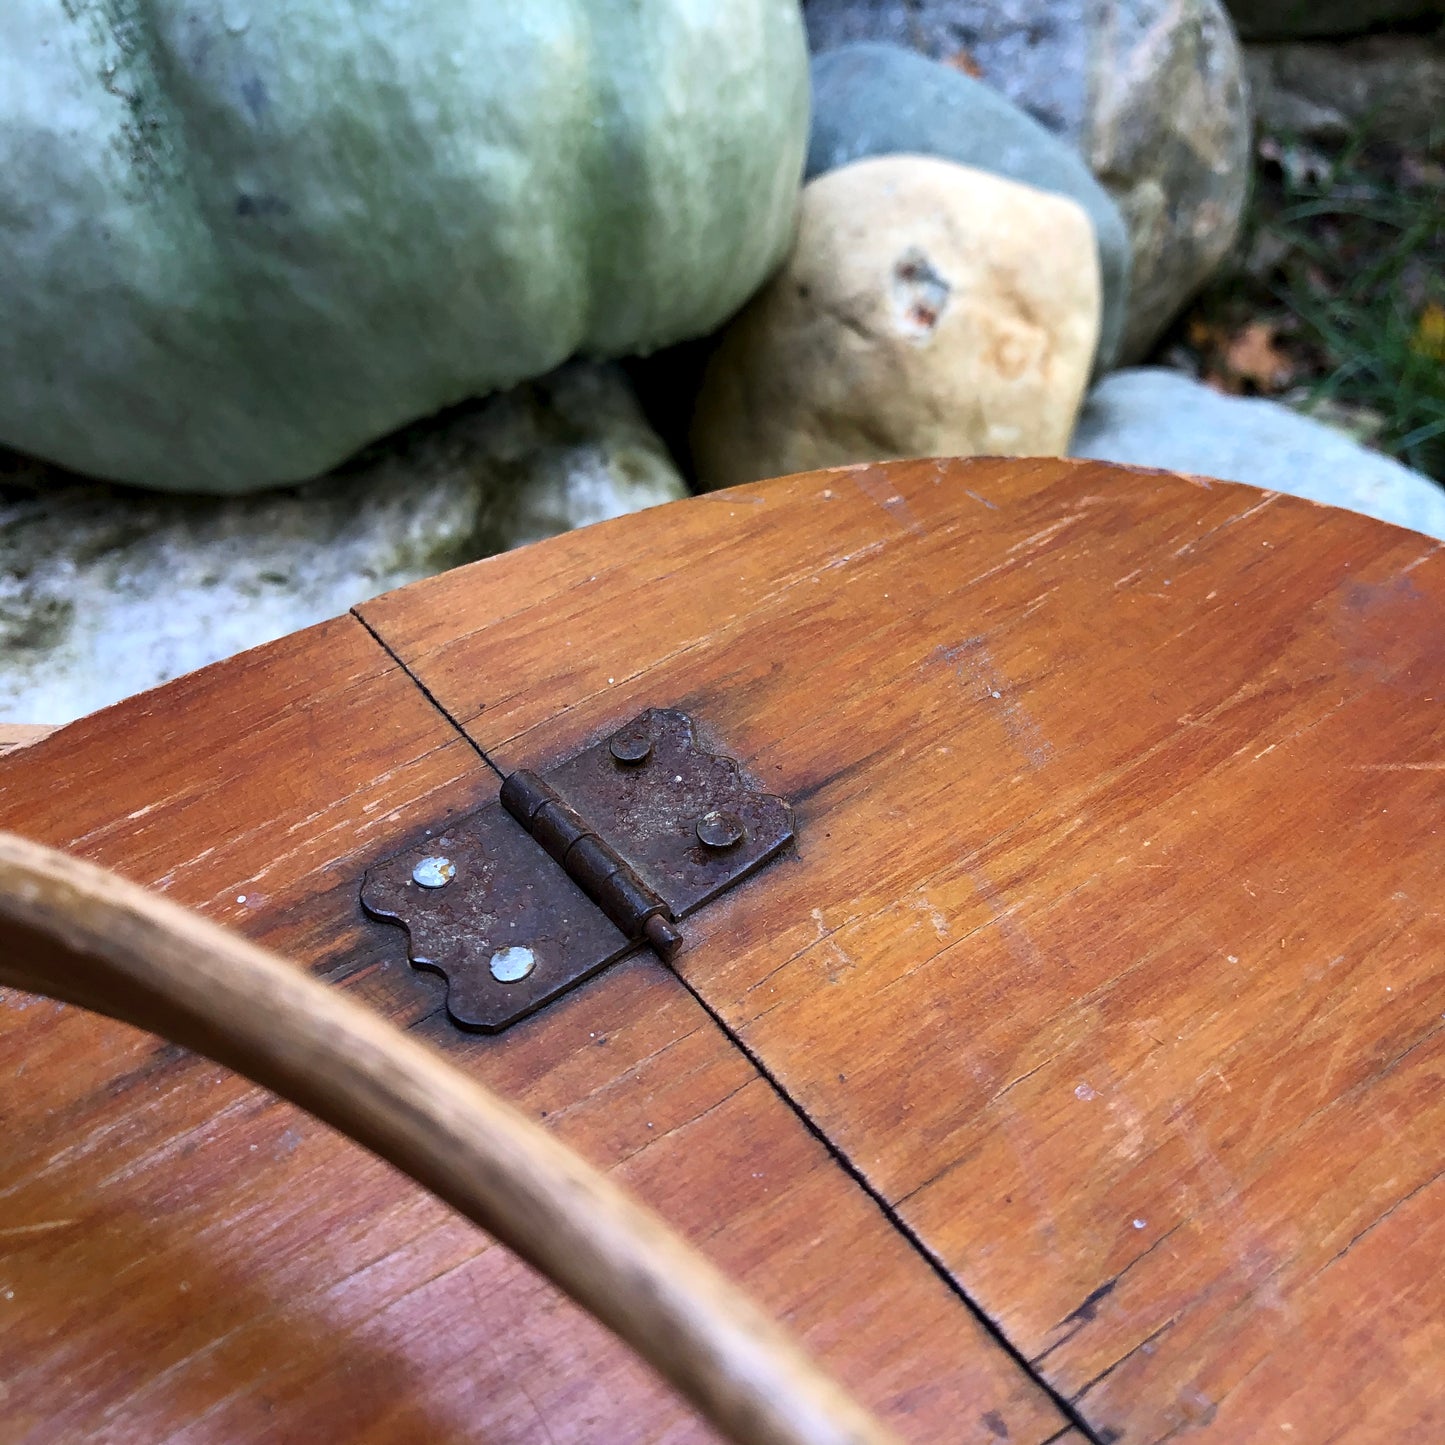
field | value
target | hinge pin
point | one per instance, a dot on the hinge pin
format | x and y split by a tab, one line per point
589	862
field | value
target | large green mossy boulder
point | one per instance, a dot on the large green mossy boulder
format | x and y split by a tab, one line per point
239	240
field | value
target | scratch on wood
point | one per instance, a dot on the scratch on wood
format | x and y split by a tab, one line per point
1399	767
1423	558
934	914
1145	1346
44	1226
1380	1219
973	663
1256	1265
1045	534
879	488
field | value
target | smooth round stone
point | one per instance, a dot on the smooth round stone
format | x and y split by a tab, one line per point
1151	417
927	309
875	100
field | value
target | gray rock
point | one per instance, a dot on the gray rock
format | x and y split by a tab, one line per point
875	100
1150	92
1393	86
1150	417
1304	19
106	591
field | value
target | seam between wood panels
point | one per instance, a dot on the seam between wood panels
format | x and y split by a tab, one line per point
991	1328
426	692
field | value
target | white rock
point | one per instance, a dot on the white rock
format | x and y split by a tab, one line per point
105	591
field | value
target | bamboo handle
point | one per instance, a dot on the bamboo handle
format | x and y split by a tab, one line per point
78	933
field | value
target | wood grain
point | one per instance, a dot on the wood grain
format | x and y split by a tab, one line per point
1112	953
185	1257
84	935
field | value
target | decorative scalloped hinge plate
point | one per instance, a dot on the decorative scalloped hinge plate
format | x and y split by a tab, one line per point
568	871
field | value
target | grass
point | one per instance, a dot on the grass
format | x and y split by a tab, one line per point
1339	284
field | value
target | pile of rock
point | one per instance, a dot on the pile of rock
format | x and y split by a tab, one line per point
106	591
1005	202
1086	169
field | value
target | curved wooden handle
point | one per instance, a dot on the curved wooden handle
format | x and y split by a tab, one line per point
79	933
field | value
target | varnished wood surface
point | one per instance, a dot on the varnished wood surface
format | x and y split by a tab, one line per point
83	935
185	1258
1112	955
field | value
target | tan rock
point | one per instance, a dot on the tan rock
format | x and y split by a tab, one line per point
927	309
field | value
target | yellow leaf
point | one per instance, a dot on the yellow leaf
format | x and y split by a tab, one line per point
1429	339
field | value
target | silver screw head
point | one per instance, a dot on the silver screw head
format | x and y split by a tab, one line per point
718	830
434	872
512	965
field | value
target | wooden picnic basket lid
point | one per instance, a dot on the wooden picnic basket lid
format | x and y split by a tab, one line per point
1075	1074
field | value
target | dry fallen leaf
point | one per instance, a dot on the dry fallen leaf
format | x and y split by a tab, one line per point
1202	336
1254	356
963	60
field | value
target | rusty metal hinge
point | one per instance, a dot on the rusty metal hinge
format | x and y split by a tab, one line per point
569	871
